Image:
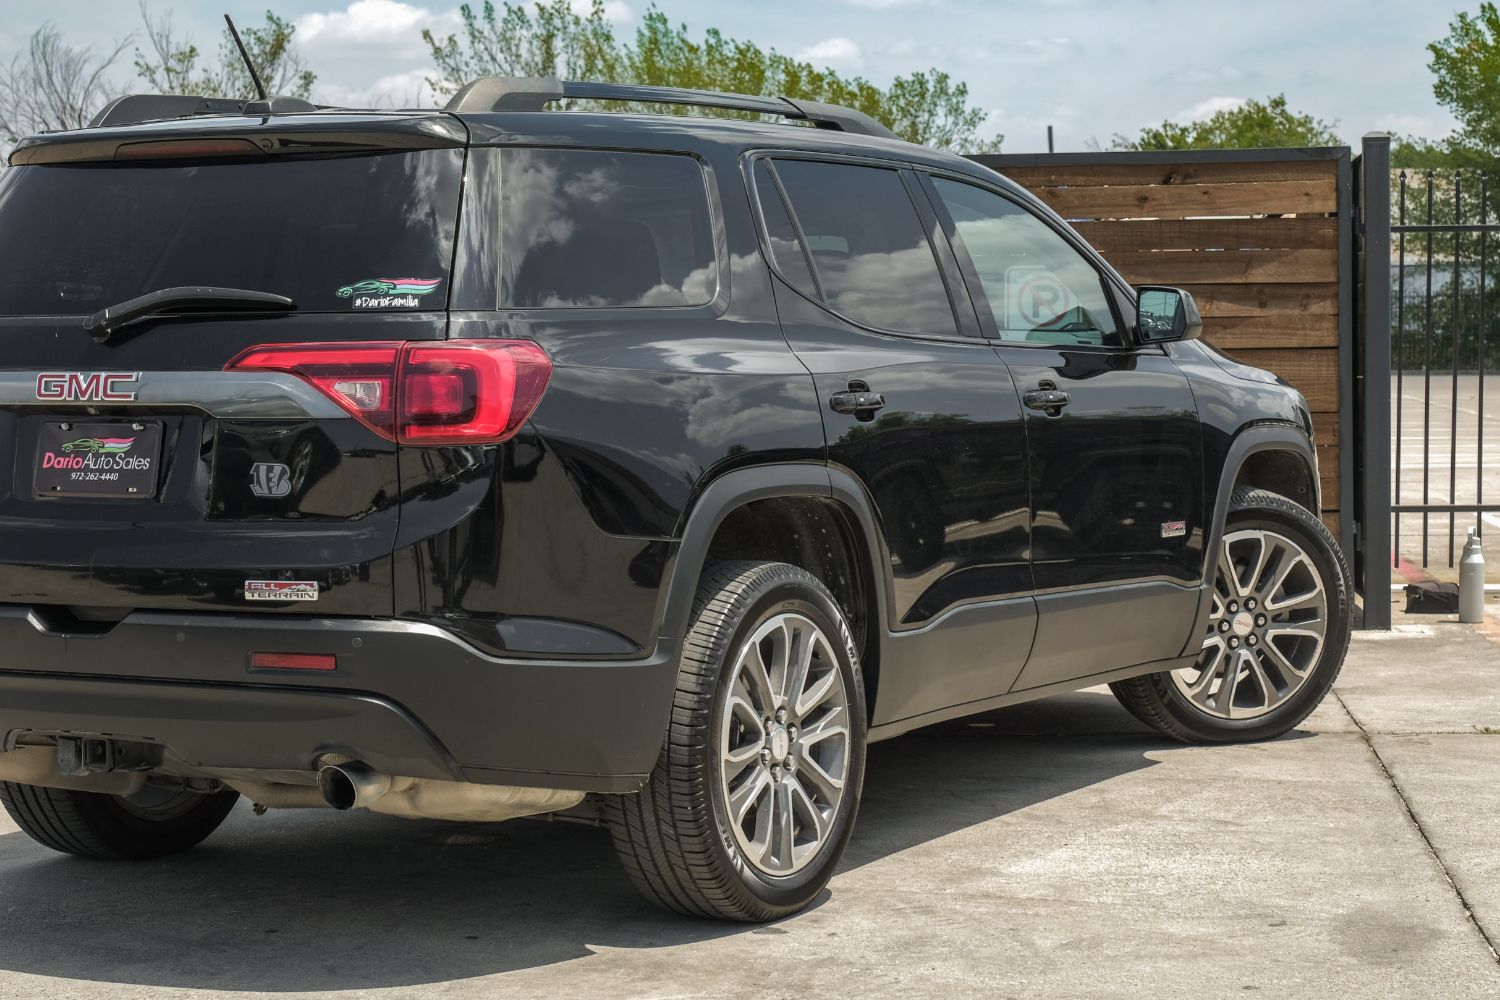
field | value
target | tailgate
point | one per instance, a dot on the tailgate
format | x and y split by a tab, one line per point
138	472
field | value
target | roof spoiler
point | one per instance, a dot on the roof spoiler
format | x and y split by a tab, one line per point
533	93
136	108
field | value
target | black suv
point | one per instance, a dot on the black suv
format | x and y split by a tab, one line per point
637	468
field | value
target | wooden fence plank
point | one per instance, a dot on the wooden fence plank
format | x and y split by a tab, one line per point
1306	233
1230	333
1176	267
1255	300
1314	373
1096	175
1178	201
1328	483
1331	522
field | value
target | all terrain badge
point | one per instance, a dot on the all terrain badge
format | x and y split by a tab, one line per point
281	590
1173	529
388	293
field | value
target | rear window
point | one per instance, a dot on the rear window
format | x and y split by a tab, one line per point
333	234
592	229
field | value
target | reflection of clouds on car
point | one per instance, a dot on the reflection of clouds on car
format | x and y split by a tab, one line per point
594	229
879	284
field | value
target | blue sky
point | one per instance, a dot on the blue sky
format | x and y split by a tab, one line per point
1090	68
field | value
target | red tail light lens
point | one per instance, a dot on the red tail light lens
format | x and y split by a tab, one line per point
431	393
474	390
359	377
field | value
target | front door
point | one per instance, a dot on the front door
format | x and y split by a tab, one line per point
1117	513
921	410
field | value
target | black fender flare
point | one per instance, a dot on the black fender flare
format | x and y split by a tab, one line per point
733	490
1252	439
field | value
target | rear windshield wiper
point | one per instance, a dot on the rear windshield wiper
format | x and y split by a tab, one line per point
183	299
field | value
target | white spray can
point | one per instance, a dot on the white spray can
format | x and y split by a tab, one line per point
1471	581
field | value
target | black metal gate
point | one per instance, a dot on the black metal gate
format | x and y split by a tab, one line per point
1428	339
1444	333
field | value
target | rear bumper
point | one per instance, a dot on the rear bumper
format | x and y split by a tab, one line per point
406	698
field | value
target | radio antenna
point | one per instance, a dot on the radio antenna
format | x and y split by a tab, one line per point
260	88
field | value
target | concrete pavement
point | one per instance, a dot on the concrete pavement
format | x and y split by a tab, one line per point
1051	850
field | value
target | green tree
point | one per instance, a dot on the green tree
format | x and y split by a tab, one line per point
552	39
1253	124
173	65
1466	65
555	41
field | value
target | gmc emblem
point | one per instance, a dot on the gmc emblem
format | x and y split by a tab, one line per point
87	387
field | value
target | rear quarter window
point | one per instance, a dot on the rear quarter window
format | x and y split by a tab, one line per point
594	229
874	262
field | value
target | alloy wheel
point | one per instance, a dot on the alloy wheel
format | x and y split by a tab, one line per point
784	744
1265	631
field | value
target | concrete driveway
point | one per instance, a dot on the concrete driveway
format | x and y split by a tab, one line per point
1055	850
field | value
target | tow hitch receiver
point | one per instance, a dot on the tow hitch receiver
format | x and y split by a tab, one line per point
80	756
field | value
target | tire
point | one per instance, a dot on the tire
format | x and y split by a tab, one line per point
675	837
152	823
1269	695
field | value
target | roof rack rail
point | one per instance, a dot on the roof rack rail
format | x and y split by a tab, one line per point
133	109
533	93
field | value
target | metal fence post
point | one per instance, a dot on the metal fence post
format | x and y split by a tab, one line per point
1348	277
1372	508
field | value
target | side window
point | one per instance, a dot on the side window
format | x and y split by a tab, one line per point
586	228
787	252
873	259
1040	289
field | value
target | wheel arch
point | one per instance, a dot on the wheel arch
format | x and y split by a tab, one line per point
1271	456
808	515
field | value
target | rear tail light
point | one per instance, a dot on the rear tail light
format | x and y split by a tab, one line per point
433	393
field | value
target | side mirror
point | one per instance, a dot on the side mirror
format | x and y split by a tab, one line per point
1164	314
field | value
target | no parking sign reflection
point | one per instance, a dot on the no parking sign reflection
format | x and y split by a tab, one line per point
1035	298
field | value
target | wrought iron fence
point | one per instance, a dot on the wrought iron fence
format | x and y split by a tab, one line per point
1445	337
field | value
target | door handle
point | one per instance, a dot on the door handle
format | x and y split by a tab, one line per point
861	402
1051	401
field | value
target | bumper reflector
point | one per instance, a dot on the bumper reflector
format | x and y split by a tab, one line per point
293	661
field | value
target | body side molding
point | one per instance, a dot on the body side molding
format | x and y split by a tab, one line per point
887	730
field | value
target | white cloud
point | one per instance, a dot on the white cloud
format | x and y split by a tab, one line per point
1208	108
371	22
837	52
883	4
397	90
616	11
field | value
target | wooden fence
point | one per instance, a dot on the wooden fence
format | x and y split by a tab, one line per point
1258	236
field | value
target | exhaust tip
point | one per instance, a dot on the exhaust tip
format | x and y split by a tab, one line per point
337	788
351	785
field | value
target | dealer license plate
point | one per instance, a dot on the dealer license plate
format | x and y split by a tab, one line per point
117	460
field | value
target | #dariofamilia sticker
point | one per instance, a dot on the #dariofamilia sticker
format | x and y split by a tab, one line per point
388	293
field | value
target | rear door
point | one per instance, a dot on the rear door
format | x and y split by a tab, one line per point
138	472
872	305
1117	514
